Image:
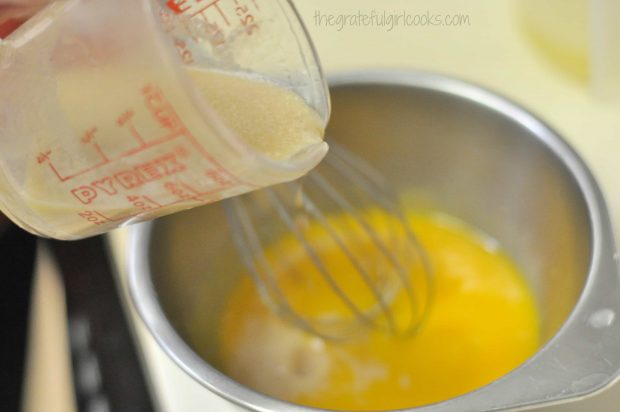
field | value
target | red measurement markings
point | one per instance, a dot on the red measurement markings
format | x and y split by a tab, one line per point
184	51
126	119
184	191
166	20
121	218
165	165
133	178
151	144
64	178
195	8
44	157
99	218
217	36
89	135
114	219
103	156
219	178
178	6
150	200
162	112
129	153
94	217
153	170
181	190
137	136
89	138
246	17
201	7
161	109
144	203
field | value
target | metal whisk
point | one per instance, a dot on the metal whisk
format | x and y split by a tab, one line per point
332	252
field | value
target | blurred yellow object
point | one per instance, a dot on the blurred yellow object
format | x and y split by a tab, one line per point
581	37
560	29
482	324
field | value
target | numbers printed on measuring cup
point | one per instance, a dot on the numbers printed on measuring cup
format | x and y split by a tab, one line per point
221	15
246	17
142	173
181	190
184	52
143	202
94	217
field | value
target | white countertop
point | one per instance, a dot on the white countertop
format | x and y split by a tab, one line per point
491	51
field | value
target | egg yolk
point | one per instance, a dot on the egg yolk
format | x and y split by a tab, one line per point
480	324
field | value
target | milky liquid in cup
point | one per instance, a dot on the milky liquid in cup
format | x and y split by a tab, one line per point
105	182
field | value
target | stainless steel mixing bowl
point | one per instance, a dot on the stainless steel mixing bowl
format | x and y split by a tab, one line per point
455	147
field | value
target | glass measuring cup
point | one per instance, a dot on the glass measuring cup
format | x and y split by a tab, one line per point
101	124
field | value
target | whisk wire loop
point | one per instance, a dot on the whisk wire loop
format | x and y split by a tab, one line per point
348	187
